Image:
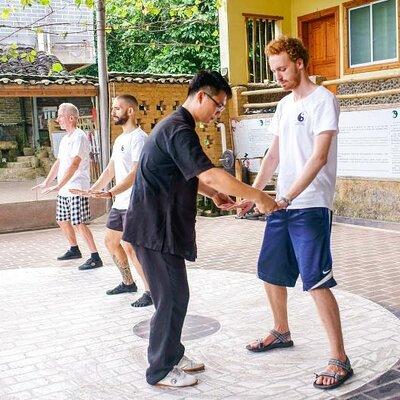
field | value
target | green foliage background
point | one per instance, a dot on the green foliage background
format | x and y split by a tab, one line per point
161	36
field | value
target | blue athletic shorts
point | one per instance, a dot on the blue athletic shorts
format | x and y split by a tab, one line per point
297	242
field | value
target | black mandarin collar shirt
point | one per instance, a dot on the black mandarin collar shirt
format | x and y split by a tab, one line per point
162	210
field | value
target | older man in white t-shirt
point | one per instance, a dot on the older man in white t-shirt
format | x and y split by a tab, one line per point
297	235
72	170
122	166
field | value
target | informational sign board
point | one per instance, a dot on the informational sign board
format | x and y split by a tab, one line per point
251	138
368	142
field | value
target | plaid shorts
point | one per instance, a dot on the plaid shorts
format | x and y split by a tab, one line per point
75	209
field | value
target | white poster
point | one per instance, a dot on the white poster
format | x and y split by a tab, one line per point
369	143
251	138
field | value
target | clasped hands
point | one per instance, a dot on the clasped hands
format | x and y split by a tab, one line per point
265	204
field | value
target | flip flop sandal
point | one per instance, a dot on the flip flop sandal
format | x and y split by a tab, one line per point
340	379
281	341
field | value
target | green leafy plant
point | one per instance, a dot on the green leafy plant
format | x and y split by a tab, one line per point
160	36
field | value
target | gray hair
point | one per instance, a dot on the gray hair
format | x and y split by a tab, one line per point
70	109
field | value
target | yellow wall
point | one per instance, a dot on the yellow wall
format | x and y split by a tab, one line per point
233	34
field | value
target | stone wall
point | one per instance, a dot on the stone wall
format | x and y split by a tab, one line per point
368	199
12	127
369	86
157	100
10	111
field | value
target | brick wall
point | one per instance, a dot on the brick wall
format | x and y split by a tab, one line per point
157	100
10	110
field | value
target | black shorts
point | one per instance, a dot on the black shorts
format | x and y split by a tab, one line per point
116	220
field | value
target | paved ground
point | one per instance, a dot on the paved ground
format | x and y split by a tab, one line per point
63	338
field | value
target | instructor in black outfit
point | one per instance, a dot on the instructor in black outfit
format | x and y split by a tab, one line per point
160	221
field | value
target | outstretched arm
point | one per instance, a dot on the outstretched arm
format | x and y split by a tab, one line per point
50	177
223	182
105	178
125	184
221	200
67	176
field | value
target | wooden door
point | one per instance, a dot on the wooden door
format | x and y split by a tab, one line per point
320	34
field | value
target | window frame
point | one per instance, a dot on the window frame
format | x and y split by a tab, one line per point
372	65
251	64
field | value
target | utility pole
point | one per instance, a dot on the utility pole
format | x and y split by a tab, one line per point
103	82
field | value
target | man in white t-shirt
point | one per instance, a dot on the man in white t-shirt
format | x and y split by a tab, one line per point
72	170
297	235
122	166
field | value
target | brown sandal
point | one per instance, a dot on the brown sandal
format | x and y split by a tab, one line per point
340	379
281	341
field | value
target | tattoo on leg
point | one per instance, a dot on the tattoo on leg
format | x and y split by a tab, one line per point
125	271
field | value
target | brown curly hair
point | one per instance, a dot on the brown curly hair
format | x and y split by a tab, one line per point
292	46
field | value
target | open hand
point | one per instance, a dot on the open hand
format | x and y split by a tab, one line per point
245	206
100	194
223	201
79	192
42	185
51	189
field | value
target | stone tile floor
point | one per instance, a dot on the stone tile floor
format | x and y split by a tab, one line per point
63	338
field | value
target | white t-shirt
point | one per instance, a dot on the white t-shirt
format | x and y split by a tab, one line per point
297	123
72	145
126	152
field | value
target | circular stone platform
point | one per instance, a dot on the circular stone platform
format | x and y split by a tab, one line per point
195	327
65	339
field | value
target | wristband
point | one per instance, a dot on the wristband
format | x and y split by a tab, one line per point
286	200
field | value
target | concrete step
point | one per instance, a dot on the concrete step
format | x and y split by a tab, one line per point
17	174
33	160
19	164
26	158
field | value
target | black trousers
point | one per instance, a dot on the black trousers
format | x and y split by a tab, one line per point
167	278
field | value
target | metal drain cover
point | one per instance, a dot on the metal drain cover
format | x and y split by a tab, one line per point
195	327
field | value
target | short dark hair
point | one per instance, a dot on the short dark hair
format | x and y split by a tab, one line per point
129	99
212	81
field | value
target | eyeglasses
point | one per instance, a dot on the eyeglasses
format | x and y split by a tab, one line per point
220	107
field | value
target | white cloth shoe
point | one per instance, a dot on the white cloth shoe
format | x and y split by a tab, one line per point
188	365
177	378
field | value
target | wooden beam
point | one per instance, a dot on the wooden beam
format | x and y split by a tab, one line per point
260	105
15	90
261	16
